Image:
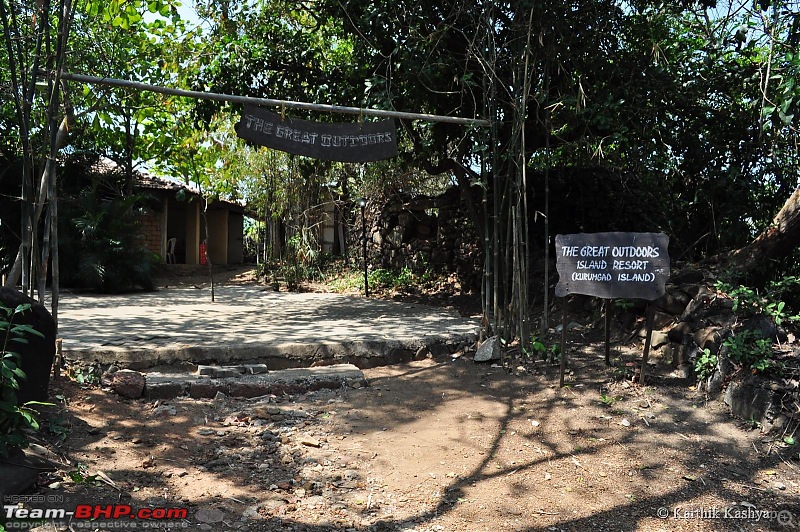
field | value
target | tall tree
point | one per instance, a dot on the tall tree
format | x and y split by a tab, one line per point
38	48
694	101
35	38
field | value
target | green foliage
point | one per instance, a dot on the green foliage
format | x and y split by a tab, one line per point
126	14
85	375
623	304
750	302
623	371
753	423
341	277
538	348
609	400
697	106
81	475
302	248
297	267
387	279
60	428
14	418
346	279
352	279
301	262
747	348
101	238
705	364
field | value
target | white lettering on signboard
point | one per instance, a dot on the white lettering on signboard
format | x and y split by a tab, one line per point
612	265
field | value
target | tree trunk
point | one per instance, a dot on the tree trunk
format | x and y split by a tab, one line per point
779	240
20	267
208	243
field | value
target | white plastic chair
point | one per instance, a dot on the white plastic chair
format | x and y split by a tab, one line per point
171	250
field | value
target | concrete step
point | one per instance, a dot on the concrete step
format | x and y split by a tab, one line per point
239	381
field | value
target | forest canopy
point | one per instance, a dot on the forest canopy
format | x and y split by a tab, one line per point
690	107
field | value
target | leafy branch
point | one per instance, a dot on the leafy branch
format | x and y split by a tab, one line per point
13	417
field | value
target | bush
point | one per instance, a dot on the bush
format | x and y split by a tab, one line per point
390	279
705	364
14	419
102	243
750	350
770	301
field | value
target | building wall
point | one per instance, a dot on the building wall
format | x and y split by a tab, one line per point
424	233
193	232
150	230
176	228
218	236
235	238
183	221
328	229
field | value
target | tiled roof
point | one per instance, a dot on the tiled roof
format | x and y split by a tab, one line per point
147	181
144	179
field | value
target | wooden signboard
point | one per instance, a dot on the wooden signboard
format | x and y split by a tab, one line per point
347	142
612	265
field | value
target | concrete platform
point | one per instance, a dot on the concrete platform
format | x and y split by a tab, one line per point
251	324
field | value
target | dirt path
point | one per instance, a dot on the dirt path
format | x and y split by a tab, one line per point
437	445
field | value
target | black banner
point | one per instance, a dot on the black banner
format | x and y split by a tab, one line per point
612	265
347	142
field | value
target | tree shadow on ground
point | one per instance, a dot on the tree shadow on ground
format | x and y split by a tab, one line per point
244	316
470	447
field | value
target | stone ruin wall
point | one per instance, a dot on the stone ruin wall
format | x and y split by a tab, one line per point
427	233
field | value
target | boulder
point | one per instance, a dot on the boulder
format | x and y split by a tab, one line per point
749	399
688	276
724	321
662	319
658	338
709	338
704	296
21	470
724	369
395	237
36	356
763	326
128	383
488	350
679	333
424	230
675	354
672	302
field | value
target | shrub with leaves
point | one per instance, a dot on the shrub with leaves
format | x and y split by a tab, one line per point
14	418
705	364
100	238
749	349
769	301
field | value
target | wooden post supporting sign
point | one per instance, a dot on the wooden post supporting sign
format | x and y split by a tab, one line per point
607	321
650	313
563	344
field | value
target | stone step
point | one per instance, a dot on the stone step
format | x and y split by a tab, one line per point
218	372
364	354
239	381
